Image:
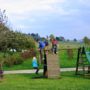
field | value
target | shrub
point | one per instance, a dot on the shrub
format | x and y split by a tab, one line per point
13	60
25	55
9	61
19	60
29	53
1	60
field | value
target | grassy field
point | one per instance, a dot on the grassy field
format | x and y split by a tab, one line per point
68	81
64	60
70	45
27	64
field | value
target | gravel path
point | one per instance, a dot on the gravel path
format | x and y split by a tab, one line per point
33	71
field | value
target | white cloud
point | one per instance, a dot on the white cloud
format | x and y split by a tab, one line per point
44	14
22	6
22	10
19	10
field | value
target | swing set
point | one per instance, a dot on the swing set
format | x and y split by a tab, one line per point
83	62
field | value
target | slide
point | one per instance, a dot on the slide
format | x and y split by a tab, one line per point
88	56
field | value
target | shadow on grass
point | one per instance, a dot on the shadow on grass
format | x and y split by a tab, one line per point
33	76
39	77
73	75
63	75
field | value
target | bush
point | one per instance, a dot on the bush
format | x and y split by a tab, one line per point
29	53
25	55
19	60
1	60
9	61
1	66
13	60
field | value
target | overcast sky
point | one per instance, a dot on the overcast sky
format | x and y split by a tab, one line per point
68	18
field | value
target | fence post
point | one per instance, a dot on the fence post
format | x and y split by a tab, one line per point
70	53
1	71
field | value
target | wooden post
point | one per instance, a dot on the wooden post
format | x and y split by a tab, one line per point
45	73
77	63
1	71
70	53
88	69
41	56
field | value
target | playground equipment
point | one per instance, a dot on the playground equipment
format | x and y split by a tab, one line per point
88	56
83	62
51	65
53	68
49	60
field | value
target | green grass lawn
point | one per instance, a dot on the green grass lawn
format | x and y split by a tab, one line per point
70	44
64	61
25	65
68	81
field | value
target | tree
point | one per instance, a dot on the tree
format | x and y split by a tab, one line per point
10	39
86	40
75	40
3	30
3	17
52	36
62	38
57	38
35	36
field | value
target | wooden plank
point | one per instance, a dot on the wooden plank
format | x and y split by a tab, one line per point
53	66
